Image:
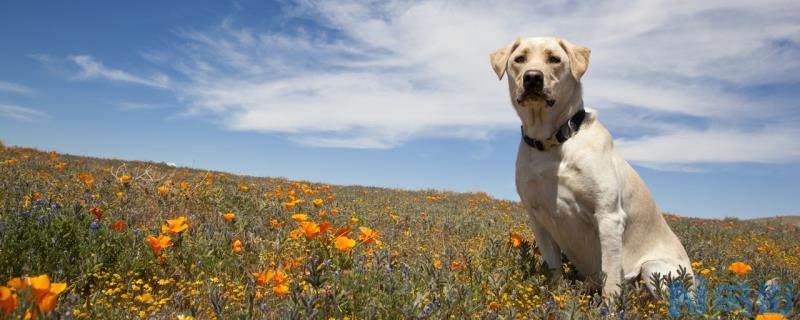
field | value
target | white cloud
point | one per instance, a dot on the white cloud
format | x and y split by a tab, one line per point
93	69
20	113
382	73
15	88
767	145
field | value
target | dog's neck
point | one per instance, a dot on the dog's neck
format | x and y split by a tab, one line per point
541	121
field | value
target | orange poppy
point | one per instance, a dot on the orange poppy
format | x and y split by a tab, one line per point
344	243
280	290
740	268
8	300
310	229
367	235
343	231
175	226
262	278
237	246
87	179
291	263
229	216
770	316
516	239
19	283
324	226
158	244
46	293
118	225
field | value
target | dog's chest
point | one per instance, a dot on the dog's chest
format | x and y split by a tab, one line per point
553	189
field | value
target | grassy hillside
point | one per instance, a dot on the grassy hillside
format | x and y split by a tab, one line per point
114	233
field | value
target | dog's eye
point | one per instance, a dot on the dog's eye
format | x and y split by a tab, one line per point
554	59
519	59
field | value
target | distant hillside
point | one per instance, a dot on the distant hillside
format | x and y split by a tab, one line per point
787	220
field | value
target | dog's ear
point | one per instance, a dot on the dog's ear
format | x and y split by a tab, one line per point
499	58
578	58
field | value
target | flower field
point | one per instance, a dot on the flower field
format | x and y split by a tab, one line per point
109	239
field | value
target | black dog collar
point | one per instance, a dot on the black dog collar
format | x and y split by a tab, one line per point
565	131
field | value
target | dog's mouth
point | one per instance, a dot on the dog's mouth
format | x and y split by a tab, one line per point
537	95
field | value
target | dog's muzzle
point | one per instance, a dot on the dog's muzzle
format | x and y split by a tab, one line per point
533	88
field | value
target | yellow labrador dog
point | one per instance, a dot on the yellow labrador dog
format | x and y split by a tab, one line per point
583	198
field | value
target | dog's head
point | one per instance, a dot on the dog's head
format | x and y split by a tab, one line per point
541	71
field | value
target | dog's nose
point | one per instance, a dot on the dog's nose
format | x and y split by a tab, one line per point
533	79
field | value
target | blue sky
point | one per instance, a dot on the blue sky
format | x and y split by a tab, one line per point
701	97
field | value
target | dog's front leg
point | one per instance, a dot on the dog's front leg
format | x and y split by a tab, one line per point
549	249
610	228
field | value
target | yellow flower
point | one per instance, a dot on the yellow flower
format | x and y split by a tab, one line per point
299	217
158	244
437	264
317	202
344	243
60	165
237	246
705	272
145	298
740	268
162	190
770	316
244	188
229	216
516	239
175	226
367	235
276	223
125	179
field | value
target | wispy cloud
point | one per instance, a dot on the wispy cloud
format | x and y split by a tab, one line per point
381	73
20	113
15	88
93	69
767	145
